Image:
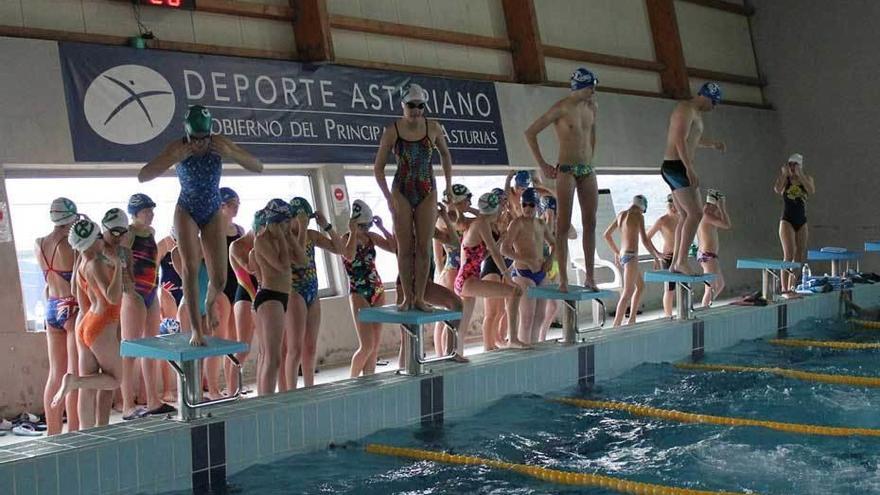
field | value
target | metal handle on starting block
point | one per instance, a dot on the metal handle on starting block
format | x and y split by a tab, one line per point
189	388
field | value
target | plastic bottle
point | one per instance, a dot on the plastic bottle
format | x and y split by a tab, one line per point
805	276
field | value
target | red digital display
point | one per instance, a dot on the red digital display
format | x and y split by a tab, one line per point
174	4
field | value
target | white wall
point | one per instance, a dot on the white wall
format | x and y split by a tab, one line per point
820	60
715	39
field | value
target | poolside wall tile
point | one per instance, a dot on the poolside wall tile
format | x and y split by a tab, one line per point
160	456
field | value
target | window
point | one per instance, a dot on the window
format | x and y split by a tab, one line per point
29	201
364	187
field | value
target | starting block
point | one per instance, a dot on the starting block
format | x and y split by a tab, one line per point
411	324
835	257
187	363
769	279
684	300
872	246
570	331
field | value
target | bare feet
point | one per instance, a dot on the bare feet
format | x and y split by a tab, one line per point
517	344
66	384
458	358
683	269
563	283
197	339
404	305
423	306
169	398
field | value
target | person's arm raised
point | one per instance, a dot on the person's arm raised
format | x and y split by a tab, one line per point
224	146
175	152
779	185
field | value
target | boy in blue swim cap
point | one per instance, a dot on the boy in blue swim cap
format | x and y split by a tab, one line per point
574	120
685	135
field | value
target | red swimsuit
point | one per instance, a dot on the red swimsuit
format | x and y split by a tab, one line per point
473	256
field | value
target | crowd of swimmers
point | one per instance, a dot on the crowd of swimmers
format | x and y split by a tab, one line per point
114	279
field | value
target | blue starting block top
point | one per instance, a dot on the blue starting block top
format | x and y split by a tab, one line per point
872	246
667	276
575	293
176	347
814	255
390	314
766	264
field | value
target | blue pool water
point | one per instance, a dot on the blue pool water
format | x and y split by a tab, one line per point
532	430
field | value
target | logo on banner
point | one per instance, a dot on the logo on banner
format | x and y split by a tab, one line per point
129	104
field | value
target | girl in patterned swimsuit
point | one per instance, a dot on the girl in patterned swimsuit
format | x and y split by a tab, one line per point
458	204
413	196
476	242
304	307
199	164
365	286
140	308
56	258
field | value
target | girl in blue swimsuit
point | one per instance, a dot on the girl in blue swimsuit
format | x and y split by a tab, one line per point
199	158
413	196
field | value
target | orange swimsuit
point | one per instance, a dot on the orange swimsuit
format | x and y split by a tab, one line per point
92	324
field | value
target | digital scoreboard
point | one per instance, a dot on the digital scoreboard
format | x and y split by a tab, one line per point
171	4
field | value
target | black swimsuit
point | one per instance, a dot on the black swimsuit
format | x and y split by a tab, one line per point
794	200
170	277
231	281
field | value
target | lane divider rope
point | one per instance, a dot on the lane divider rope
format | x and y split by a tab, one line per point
855	380
541	473
828	344
685	417
874	325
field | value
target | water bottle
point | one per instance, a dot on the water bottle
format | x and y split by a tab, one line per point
805	276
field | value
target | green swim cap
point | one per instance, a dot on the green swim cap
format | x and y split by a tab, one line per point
301	205
197	121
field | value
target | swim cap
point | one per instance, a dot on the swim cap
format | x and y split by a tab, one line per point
259	219
277	211
796	158
460	193
583	78
711	196
301	205
227	194
488	204
522	179
197	120
168	326
115	218
641	202
712	91
413	92
83	234
361	212
501	193
548	203
529	196
138	202
62	211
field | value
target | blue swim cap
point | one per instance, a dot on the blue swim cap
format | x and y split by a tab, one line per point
259	219
522	179
501	193
277	211
548	203
169	326
583	78
227	194
138	202
529	196
301	205
712	91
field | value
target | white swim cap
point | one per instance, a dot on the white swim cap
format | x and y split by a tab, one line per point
796	158
641	202
62	211
413	92
361	212
83	234
115	218
488	204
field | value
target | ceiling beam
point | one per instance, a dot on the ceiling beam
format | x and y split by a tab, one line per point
667	48
525	41
311	30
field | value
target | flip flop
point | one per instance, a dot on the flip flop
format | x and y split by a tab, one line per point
26	430
139	412
6	425
163	409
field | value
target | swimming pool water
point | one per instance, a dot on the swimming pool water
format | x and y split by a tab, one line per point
532	430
